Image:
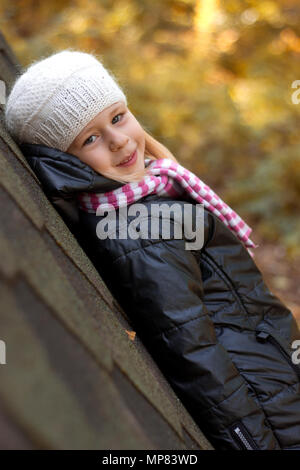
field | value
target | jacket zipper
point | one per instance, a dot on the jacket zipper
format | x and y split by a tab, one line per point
242	437
264	336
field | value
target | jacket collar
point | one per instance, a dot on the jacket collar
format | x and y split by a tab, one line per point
62	174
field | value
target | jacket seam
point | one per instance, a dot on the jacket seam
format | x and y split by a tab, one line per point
216	405
180	325
275	327
135	250
270	307
228	283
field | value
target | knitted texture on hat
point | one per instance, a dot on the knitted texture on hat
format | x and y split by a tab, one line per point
170	179
55	98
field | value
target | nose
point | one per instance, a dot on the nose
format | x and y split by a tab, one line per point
117	141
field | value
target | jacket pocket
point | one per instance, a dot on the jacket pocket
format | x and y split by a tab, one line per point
242	436
264	336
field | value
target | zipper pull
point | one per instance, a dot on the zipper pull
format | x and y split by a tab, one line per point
262	336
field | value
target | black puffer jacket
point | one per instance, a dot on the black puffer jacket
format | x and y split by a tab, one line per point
221	338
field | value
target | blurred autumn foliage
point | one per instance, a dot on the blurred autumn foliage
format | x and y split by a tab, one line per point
212	81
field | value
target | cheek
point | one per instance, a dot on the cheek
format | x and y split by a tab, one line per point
89	159
139	134
135	128
94	160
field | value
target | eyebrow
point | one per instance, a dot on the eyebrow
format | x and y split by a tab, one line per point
95	127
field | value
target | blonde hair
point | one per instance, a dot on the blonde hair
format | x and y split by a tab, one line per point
153	150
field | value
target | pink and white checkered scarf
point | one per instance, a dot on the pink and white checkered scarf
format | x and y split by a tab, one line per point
168	178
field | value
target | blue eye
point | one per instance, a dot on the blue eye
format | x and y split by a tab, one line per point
86	141
121	114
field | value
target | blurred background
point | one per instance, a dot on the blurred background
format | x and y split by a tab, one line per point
211	80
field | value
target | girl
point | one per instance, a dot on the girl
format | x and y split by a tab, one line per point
223	340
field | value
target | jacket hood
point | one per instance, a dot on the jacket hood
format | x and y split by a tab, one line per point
62	175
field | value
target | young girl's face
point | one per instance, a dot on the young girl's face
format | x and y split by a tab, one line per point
109	139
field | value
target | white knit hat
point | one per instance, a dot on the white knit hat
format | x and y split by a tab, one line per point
56	97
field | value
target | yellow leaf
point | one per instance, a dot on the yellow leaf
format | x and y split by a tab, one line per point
131	334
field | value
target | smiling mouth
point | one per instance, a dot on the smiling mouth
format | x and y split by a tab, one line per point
128	159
